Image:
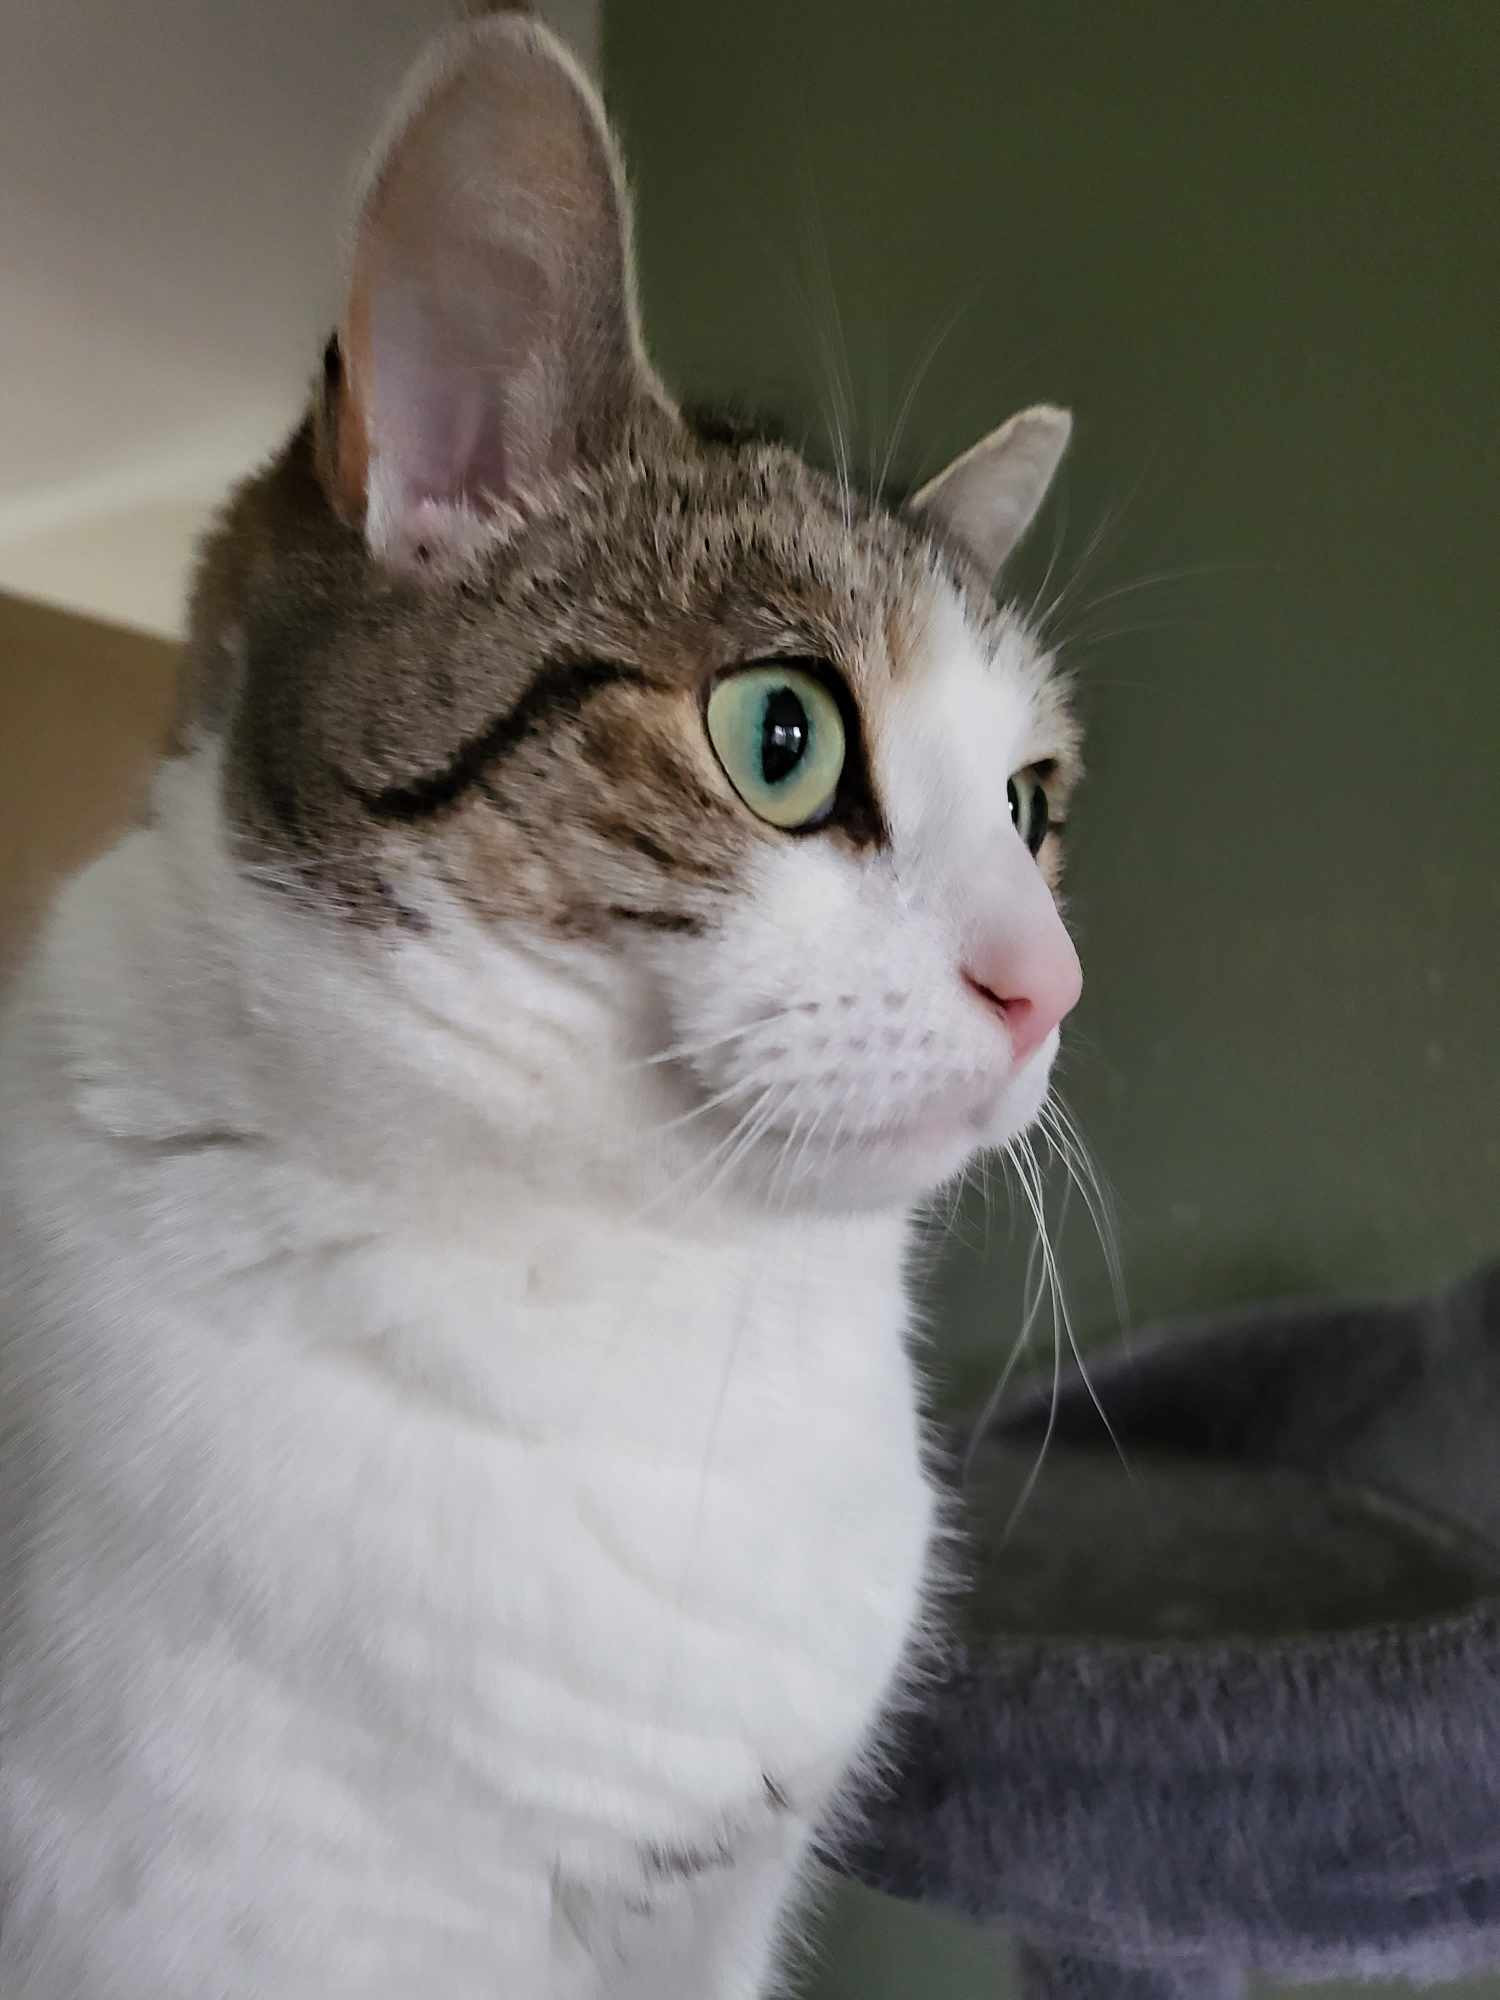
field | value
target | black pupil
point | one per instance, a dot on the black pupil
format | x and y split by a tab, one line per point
784	733
1031	819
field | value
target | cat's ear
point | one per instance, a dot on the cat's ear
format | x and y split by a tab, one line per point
988	498
489	335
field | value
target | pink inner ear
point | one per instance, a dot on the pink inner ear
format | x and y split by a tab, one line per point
488	324
452	423
436	437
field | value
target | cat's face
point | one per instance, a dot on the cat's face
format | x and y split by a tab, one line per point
833	1006
760	766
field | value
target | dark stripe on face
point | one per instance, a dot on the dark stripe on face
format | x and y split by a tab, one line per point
677	921
643	843
559	689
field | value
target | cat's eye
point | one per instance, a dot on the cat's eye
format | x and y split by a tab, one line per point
1029	812
779	735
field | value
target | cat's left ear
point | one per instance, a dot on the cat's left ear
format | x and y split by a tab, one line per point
988	498
489	337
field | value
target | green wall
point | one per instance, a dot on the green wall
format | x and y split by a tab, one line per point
1254	247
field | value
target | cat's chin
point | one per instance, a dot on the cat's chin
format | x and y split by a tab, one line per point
904	1159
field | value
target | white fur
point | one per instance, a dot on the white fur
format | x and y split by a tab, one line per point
437	1474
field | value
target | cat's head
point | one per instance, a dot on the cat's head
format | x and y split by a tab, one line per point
533	680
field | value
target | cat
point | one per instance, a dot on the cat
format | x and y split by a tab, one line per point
464	1508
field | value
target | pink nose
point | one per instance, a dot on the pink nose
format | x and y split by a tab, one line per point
1030	980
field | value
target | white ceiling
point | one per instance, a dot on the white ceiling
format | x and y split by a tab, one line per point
175	184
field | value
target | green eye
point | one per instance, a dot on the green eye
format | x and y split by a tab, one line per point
1029	811
779	735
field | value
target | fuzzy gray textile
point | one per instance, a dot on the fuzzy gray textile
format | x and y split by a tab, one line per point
1239	1708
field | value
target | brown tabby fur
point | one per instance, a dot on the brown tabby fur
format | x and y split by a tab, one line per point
342	689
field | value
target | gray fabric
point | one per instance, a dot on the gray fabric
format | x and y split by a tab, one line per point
1063	1976
1241	1709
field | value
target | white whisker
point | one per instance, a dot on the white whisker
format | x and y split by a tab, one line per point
1060	1297
1035	1284
753	1081
1161	579
698	1167
1108	525
774	1192
1062	1130
774	1102
919	376
833	356
681	1051
1021	1156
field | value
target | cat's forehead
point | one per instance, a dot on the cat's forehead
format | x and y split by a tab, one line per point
694	559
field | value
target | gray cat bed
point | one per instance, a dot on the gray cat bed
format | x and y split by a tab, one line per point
1241	1711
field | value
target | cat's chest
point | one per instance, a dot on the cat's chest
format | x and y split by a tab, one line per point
653	1521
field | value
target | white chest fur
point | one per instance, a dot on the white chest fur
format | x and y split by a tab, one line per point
624	1532
409	1561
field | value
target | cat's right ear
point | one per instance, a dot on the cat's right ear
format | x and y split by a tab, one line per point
988	498
489	336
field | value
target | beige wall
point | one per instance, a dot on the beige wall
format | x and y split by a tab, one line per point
176	182
84	708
